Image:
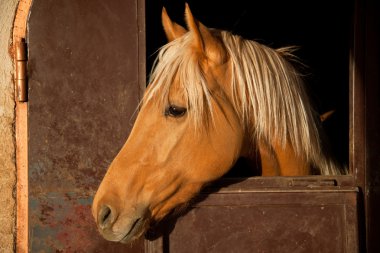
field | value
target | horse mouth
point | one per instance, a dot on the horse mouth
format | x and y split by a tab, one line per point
134	232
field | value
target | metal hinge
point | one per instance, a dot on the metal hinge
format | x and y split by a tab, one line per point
20	75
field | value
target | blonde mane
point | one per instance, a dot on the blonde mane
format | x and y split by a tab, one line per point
267	93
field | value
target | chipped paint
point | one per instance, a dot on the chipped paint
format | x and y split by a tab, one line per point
77	118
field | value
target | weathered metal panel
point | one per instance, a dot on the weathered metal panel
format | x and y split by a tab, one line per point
63	223
260	219
365	117
84	87
368	97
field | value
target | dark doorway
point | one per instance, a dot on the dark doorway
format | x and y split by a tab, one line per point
321	30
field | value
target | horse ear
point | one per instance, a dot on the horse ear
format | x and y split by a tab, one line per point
204	40
172	29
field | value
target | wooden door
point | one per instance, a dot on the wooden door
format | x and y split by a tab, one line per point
86	60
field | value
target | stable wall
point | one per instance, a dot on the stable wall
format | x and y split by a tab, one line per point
7	139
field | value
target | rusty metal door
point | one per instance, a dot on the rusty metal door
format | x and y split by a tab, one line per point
266	215
86	71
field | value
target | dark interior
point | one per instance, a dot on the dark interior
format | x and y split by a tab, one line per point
321	30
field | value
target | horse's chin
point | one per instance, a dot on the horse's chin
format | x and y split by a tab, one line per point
136	230
128	233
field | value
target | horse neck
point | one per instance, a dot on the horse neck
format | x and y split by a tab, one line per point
275	159
279	157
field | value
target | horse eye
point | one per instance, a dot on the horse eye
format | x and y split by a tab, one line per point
175	111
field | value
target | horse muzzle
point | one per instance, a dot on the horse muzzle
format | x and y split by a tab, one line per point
123	228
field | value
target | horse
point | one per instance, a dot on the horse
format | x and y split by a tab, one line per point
212	97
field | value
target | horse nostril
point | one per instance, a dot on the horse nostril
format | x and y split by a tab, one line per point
106	217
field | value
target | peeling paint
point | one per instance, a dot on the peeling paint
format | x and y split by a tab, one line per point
74	129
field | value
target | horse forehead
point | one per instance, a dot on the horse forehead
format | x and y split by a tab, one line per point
177	92
217	75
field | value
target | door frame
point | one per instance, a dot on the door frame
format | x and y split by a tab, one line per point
21	132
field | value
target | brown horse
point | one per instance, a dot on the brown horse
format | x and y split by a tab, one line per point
213	97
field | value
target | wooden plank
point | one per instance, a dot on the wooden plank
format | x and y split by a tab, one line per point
21	130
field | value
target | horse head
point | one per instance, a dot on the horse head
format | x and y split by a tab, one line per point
186	135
